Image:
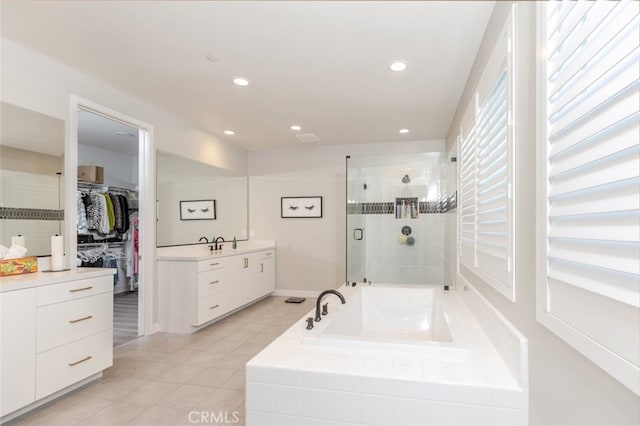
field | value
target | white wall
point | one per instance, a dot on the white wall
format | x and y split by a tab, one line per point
34	81
119	169
311	252
565	388
231	221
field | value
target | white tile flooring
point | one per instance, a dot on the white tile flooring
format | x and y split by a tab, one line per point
170	379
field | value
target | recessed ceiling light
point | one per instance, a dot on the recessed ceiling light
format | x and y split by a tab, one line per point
229	132
295	127
404	131
241	81
398	66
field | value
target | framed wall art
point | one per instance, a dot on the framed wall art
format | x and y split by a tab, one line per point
300	207
198	210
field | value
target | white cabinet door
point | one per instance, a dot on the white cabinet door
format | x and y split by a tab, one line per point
267	277
17	349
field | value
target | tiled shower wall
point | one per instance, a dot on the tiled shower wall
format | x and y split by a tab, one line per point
387	258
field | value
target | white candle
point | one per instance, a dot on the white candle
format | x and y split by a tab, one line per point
57	253
18	240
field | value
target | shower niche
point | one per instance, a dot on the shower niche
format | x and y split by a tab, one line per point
407	208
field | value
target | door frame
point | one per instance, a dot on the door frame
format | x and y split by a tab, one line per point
147	195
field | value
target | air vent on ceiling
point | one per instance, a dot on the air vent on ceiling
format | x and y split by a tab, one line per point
307	138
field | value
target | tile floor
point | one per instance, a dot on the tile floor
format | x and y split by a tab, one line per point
171	379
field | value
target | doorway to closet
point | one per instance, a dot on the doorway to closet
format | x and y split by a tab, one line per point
113	164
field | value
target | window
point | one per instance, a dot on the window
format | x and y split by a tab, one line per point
589	168
486	172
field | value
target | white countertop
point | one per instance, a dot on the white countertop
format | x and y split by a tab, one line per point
198	252
40	278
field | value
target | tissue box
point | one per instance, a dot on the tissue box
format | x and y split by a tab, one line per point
94	174
21	265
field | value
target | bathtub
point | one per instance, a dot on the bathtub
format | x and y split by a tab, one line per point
385	317
393	354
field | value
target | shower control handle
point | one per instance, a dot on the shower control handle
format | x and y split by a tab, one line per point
358	234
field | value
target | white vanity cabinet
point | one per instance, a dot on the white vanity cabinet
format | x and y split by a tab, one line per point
195	290
18	349
57	331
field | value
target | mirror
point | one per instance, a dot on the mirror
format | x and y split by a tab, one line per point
31	190
187	191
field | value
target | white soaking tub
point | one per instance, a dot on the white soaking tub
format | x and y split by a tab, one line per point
390	317
393	355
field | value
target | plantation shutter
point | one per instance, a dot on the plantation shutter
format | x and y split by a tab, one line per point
492	183
467	185
592	282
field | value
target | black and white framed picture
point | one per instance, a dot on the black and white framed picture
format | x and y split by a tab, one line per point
198	210
300	207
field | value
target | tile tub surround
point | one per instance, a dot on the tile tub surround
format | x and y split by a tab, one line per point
294	383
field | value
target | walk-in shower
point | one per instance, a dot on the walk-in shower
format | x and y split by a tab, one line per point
398	229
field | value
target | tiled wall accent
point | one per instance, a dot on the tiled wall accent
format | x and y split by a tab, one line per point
424	207
30	214
370	208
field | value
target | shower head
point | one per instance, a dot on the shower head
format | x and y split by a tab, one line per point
406	179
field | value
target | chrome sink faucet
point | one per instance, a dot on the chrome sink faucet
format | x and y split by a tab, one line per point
319	301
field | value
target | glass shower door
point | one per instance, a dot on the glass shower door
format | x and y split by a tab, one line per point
356	232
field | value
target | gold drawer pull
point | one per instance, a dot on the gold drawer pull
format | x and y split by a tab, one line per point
214	282
80	319
214	306
246	262
74	290
214	264
267	254
71	364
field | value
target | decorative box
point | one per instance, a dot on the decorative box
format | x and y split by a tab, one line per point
93	174
21	265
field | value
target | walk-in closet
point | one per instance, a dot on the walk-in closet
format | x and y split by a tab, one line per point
108	212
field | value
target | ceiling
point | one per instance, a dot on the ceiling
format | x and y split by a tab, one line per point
321	65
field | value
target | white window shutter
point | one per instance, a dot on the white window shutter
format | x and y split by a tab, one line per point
486	171
590	289
467	187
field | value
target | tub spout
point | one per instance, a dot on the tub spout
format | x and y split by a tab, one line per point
319	301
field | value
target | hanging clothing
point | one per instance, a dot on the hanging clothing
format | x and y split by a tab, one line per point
94	210
104	227
124	206
81	223
131	247
117	212
110	214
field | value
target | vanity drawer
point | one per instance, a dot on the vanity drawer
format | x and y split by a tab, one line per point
213	263
65	322
210	282
267	254
70	290
68	364
212	306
